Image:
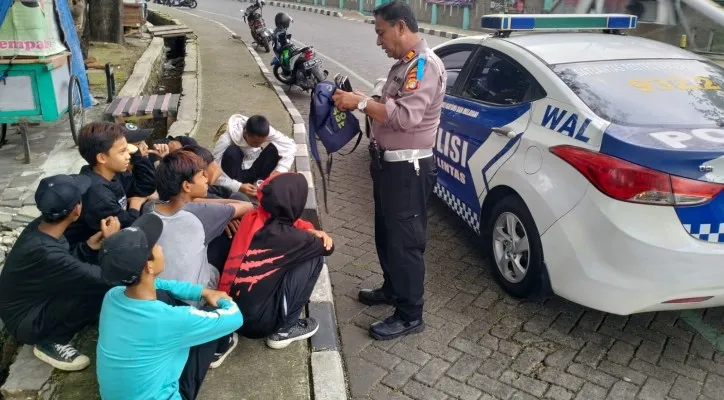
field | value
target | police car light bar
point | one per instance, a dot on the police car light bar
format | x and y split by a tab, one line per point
557	22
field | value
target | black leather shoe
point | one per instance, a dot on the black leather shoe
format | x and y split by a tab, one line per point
372	297
394	327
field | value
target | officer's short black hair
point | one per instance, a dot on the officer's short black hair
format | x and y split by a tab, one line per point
397	10
257	125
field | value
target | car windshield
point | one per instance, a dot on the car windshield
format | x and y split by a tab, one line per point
664	93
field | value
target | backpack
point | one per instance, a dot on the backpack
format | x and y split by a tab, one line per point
333	127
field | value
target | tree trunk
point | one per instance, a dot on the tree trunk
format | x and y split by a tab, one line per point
79	11
105	18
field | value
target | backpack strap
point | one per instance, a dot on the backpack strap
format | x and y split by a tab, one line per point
315	152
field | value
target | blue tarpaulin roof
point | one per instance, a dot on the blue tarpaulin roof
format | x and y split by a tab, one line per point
72	41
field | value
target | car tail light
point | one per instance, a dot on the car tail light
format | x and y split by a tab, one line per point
627	181
309	54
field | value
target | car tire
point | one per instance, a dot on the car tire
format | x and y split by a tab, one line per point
503	259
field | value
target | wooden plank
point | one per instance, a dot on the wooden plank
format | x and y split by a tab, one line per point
157	114
151	104
174	33
162	28
134	106
111	107
173	105
164	105
35	60
142	105
118	112
171	32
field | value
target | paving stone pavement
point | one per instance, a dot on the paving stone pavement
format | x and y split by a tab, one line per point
52	151
481	343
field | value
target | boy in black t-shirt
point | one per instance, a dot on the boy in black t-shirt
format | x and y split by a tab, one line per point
114	191
48	290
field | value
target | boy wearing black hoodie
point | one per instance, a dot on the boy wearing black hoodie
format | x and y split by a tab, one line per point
274	263
113	191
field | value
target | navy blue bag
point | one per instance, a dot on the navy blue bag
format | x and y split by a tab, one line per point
333	127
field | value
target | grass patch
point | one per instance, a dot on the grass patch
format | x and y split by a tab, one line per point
122	57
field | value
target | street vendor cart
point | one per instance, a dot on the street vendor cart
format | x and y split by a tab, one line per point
39	89
42	74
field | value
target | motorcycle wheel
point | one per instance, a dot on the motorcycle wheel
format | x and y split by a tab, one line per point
266	46
318	75
280	78
192	4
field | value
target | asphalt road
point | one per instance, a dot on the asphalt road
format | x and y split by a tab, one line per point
479	342
345	47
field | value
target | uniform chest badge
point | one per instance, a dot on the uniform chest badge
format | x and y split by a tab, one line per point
411	82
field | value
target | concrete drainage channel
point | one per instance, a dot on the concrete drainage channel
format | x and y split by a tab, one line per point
169	65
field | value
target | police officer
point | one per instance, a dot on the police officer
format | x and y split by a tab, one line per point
404	127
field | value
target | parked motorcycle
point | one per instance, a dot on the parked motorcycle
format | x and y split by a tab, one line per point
259	32
179	3
293	65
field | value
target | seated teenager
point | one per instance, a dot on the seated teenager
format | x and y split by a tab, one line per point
140	167
189	226
161	147
113	191
274	263
249	151
213	173
150	344
48	290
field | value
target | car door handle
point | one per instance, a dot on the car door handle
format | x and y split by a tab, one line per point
505	131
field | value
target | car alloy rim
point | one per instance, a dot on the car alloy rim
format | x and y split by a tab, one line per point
511	247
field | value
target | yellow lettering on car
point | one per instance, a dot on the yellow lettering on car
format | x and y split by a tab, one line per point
674	83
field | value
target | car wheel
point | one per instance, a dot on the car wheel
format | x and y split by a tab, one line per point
516	252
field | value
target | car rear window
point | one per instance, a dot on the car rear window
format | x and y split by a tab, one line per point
666	93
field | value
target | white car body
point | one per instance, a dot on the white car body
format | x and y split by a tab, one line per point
611	255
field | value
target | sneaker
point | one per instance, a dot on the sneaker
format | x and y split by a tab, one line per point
221	356
61	356
304	328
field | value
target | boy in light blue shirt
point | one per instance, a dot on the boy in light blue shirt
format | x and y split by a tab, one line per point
150	344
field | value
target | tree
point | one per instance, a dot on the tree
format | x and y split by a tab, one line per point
79	11
105	18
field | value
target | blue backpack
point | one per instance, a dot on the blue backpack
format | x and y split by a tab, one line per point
333	127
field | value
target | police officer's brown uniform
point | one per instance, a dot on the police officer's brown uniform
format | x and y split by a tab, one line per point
404	177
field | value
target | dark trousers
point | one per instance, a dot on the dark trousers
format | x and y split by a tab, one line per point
293	294
231	164
401	197
60	319
200	357
297	288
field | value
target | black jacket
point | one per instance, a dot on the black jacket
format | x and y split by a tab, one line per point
106	198
41	269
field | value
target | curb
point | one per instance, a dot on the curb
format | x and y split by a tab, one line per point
324	11
328	378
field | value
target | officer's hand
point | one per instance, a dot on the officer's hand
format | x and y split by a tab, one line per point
345	101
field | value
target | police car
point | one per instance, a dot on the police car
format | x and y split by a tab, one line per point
590	162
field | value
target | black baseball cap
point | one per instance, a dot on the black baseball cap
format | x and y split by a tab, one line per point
134	134
124	254
57	195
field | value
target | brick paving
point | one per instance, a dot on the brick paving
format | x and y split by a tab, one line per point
481	343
